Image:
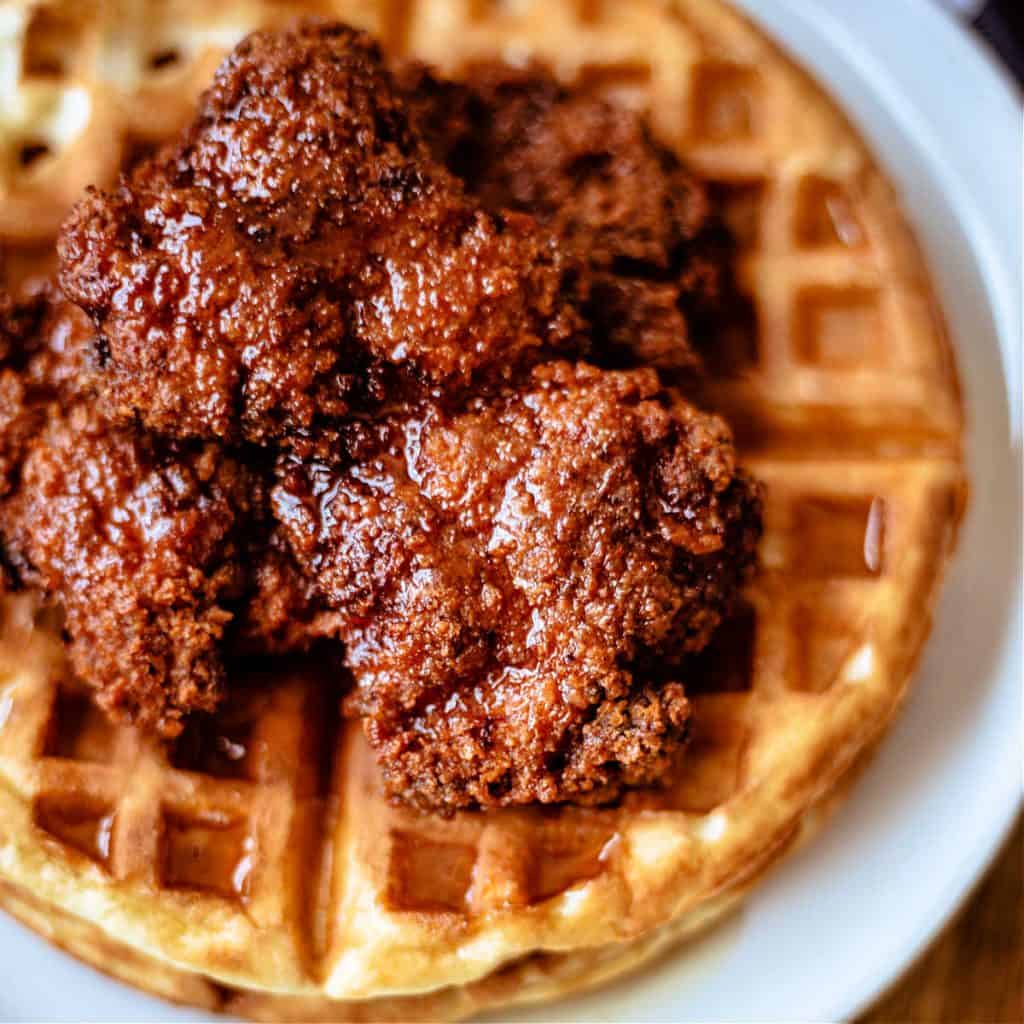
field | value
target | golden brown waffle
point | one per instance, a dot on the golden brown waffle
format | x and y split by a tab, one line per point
537	978
534	978
266	860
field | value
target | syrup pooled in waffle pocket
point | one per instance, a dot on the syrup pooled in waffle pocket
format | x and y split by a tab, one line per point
341	561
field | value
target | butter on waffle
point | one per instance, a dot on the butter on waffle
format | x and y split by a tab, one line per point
262	871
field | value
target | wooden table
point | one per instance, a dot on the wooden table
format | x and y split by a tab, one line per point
974	973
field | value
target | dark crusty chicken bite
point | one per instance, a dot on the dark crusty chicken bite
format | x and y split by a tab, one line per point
299	256
139	544
652	254
138	539
45	362
515	583
282	612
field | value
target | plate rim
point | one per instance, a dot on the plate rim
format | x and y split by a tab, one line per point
843	26
977	223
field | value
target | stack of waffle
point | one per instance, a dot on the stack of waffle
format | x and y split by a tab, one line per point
254	865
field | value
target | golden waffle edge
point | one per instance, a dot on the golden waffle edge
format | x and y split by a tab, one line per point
264	873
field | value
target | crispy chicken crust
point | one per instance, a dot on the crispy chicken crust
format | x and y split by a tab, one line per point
332	386
512	581
300	257
139	539
653	257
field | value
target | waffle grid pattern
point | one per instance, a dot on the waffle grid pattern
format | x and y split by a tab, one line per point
226	825
238	856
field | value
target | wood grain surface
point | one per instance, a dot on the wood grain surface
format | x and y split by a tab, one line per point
974	973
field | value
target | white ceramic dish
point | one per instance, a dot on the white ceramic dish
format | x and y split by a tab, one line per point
844	918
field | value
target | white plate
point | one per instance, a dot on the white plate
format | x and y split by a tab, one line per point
839	922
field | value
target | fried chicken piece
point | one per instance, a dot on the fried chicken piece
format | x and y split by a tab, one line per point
282	612
517	583
614	198
151	547
518	557
139	540
300	258
45	361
